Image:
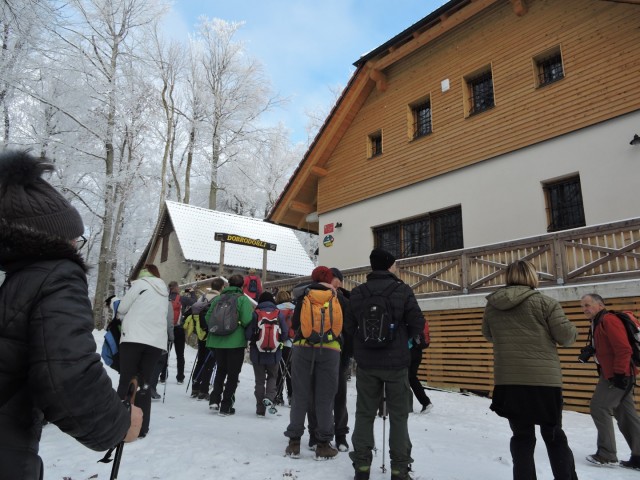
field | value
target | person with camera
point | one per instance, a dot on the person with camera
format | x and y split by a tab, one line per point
613	396
525	328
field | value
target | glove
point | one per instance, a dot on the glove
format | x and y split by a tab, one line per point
620	381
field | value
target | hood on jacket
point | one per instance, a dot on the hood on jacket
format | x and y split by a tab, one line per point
157	284
267	304
510	297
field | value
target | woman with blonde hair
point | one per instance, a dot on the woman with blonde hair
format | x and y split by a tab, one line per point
525	328
144	309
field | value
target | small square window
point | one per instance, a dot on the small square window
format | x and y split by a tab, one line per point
480	90
549	68
421	115
564	204
375	144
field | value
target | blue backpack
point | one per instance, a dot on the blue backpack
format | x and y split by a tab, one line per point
110	351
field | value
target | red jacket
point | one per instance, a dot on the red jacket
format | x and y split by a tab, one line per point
613	350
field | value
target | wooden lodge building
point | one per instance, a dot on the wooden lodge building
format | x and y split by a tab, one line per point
488	131
184	248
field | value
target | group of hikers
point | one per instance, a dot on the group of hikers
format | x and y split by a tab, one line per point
50	371
301	345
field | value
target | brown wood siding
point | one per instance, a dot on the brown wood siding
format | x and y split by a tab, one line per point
460	358
600	44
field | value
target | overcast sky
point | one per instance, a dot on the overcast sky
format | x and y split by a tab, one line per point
307	47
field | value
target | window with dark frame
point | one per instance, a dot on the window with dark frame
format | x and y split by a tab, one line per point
564	204
435	232
481	93
421	119
375	144
164	254
550	69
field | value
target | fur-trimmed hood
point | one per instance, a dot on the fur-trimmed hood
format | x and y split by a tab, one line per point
20	245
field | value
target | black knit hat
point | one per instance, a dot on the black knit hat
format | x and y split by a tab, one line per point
28	200
381	259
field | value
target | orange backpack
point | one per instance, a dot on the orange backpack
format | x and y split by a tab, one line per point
320	317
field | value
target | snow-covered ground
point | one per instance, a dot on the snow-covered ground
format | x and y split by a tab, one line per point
460	439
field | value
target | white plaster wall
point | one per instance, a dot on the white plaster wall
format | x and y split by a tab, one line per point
502	198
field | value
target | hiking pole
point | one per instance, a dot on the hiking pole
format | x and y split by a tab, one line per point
191	376
166	372
197	377
129	400
384	424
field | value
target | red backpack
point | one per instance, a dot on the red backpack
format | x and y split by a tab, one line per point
268	330
288	316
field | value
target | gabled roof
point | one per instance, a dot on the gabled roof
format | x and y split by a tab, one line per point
195	228
300	196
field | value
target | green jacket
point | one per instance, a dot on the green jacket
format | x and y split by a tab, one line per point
525	326
245	315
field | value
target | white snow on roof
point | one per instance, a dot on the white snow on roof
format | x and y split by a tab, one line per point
196	228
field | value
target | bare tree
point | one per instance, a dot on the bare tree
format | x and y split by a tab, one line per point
239	94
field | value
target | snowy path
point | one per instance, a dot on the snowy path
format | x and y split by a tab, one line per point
461	439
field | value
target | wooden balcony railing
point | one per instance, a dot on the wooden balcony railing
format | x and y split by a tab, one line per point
590	254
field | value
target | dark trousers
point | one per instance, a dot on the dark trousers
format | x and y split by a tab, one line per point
523	444
284	374
229	362
160	370
416	386
371	385
138	360
203	370
340	414
178	345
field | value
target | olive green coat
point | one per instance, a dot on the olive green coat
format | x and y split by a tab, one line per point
525	328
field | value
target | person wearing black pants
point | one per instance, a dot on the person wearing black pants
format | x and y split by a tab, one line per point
414	382
229	362
138	360
178	345
523	444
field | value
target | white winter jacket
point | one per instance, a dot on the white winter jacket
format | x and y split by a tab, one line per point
144	312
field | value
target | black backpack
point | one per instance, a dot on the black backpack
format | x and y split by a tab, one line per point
224	315
376	325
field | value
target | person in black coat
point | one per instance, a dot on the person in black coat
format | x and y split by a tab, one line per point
49	368
383	371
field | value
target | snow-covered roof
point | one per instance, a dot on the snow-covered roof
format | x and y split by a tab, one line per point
195	228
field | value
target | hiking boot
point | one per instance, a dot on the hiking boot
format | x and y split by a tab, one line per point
203	396
362	474
341	443
293	449
313	442
324	451
279	400
268	403
596	459
214	406
194	393
260	410
398	475
155	395
633	462
226	411
426	408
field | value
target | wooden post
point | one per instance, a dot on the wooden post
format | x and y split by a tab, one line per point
264	265
221	265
